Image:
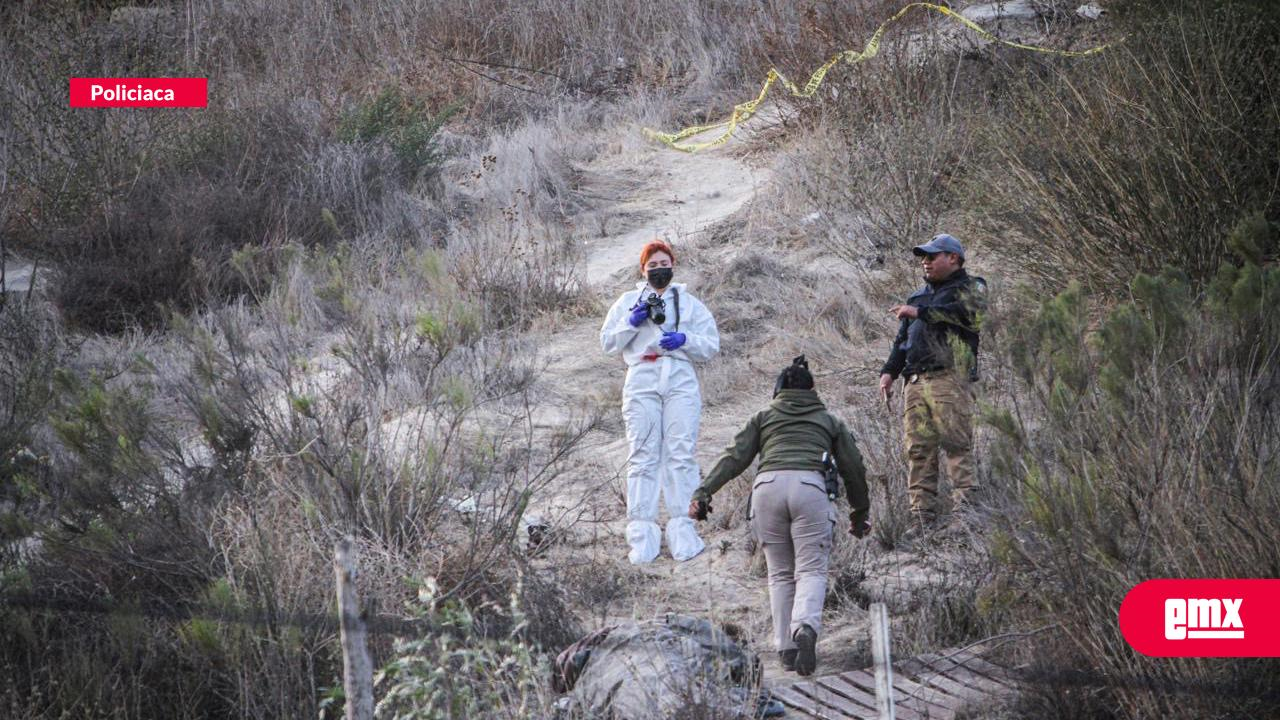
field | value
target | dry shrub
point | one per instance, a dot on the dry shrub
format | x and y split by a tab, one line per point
459	673
32	346
532	167
593	47
1140	448
963	611
876	172
520	197
1144	155
233	179
406	428
1124	436
507	59
115	196
141	211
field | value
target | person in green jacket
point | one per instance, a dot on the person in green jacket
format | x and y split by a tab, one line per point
792	512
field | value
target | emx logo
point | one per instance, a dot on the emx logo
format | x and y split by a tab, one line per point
1203	618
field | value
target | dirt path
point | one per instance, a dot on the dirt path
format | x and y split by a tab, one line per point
682	195
674	196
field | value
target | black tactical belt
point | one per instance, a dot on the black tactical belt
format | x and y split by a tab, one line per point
914	378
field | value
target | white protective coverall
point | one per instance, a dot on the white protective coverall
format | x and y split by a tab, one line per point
662	406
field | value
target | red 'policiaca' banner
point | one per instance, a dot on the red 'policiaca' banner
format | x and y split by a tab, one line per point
1203	618
139	92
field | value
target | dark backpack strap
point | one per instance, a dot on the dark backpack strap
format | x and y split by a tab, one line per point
675	296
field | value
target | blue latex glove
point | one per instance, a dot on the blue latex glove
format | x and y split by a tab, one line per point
639	313
672	340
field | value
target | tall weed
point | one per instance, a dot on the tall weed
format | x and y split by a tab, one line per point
1146	156
1141	447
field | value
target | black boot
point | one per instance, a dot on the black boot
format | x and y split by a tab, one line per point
788	659
806	650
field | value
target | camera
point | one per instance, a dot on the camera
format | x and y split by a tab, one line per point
657	308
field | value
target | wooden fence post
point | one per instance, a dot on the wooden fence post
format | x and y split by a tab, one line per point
357	668
884	663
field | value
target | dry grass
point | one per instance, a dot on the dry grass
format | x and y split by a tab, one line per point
1078	176
346	357
1146	159
367	375
236	495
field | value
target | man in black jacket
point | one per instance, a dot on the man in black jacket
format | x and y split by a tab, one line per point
935	352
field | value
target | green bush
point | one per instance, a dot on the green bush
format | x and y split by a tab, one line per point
405	124
456	672
1141	449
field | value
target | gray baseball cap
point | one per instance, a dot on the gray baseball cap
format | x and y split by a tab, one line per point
940	243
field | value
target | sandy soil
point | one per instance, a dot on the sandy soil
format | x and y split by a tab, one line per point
677	196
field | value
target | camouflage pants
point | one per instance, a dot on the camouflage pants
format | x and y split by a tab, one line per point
938	416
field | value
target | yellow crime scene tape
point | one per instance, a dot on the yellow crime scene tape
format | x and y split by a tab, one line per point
742	112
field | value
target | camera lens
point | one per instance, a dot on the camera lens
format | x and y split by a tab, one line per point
656	308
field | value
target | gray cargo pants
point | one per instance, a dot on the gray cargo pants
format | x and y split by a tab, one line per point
793	519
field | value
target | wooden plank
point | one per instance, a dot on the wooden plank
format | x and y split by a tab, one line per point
958	689
960	666
931	695
972	679
926	687
788	696
838	684
978	664
842	705
861	679
924	701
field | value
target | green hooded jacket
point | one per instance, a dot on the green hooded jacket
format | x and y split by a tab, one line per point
791	434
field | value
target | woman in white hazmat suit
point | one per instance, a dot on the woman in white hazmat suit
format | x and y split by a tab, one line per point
660	330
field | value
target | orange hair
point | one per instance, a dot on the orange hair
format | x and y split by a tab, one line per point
654	247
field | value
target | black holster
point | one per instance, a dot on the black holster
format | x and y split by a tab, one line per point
830	477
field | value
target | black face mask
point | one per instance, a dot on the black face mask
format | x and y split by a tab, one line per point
659	278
